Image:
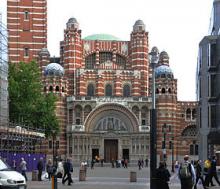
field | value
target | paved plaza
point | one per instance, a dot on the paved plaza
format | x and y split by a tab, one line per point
107	178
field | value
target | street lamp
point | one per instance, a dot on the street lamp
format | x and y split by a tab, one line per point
154	57
53	143
172	153
164	131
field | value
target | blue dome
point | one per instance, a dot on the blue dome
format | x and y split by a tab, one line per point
163	71
54	69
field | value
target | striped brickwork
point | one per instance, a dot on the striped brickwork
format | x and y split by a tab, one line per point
27	27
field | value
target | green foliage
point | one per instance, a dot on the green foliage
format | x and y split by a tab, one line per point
27	103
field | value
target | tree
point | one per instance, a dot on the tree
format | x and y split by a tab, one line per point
27	103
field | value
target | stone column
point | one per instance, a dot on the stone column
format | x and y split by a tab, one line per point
119	148
101	153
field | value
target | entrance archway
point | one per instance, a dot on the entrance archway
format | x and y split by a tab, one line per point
112	112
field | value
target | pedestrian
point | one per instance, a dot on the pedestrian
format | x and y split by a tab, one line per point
92	163
68	168
49	168
162	176
142	163
139	164
146	162
40	166
23	167
60	169
102	162
207	172
186	174
213	171
176	167
126	163
113	163
122	163
14	165
198	169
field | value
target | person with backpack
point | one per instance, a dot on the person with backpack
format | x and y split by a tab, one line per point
187	174
198	168
207	172
162	176
213	170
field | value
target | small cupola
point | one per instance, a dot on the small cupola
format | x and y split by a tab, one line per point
72	24
164	58
54	70
139	26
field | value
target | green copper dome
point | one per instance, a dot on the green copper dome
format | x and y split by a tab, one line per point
102	37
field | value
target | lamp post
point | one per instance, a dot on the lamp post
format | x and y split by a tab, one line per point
154	57
172	154
164	130
53	144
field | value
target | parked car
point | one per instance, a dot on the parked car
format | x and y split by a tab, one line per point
10	178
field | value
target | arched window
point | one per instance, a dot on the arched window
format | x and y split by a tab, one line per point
51	89
194	149
194	114
87	110
120	60
163	91
90	61
190	131
45	89
78	111
63	89
26	15
157	91
136	110
57	89
188	113
70	116
90	90
126	91
169	90
144	115
108	90
105	56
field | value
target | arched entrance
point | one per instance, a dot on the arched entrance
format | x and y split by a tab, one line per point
111	122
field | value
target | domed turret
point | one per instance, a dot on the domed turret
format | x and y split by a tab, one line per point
44	52
54	69
164	58
72	24
163	71
155	50
139	26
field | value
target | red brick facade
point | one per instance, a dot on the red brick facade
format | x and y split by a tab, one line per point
104	91
27	27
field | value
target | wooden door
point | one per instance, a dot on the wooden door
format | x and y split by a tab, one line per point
111	150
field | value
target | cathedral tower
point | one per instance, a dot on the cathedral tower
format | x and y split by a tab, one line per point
27	29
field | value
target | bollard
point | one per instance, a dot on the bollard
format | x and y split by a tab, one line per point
54	182
133	176
82	174
34	175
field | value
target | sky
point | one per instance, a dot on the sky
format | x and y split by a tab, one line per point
174	26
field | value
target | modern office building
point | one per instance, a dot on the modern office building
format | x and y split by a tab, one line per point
208	90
